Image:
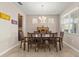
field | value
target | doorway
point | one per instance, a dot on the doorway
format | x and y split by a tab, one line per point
20	22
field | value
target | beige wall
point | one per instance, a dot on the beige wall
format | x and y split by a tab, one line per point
52	27
8	31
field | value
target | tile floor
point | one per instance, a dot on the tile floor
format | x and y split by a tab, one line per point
18	52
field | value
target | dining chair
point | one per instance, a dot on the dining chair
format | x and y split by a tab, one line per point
45	41
56	40
54	35
23	39
60	40
48	40
29	35
61	35
51	41
39	41
32	42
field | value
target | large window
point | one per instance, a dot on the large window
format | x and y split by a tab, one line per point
42	20
69	22
35	21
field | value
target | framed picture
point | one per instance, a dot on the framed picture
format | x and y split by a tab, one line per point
14	21
5	16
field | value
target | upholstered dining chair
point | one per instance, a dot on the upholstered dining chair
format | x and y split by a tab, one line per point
22	38
45	41
32	42
62	35
56	40
51	40
29	35
59	40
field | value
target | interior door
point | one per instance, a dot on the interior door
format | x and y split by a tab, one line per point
20	21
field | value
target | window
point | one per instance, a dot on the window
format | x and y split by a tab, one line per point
51	20
69	23
42	20
34	21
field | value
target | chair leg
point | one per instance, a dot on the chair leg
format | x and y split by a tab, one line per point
56	46
24	46
28	47
49	48
35	47
54	43
44	48
21	45
60	45
61	42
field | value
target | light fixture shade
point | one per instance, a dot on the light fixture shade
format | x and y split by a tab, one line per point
42	19
39	17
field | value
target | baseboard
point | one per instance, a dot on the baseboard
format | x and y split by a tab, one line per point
8	49
71	46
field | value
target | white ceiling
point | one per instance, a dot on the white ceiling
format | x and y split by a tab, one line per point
44	8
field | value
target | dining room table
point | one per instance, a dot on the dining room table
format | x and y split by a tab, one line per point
36	38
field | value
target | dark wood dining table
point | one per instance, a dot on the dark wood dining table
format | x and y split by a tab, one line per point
56	39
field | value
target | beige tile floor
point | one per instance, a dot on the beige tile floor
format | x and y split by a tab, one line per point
18	52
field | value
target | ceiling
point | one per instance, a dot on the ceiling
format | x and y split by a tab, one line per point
43	8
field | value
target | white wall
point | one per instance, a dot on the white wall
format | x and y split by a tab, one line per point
8	31
72	39
53	27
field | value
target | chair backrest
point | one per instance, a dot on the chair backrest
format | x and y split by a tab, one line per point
47	34
61	34
21	35
36	32
33	34
29	34
55	34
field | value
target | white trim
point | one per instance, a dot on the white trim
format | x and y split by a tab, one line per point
73	10
71	46
8	49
